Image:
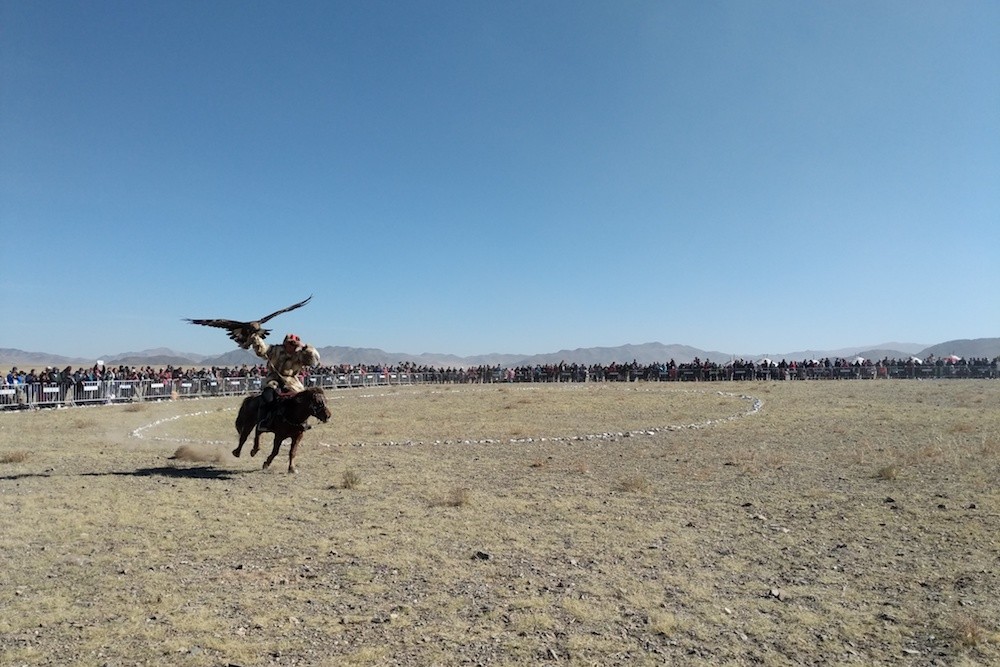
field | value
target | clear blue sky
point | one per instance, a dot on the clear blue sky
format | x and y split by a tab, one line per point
518	177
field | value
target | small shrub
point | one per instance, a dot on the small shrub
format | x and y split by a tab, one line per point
350	480
859	455
16	456
968	631
663	623
458	497
888	473
634	484
930	452
989	446
962	427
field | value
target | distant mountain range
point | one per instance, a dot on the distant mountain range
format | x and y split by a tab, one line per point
644	354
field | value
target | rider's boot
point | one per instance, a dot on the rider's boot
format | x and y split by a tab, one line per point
265	417
265	410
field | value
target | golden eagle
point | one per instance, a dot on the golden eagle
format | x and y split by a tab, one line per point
241	331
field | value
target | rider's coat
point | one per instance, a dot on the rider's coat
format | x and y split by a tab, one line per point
283	369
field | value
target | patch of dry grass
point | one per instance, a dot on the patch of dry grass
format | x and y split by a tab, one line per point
470	553
521	412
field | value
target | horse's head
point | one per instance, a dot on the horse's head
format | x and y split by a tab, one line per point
317	405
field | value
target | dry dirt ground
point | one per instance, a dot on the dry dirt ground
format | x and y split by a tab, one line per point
844	523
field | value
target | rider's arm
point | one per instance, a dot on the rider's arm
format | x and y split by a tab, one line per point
309	356
258	345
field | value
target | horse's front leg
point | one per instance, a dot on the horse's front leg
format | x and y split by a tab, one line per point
293	450
256	442
239	448
274	450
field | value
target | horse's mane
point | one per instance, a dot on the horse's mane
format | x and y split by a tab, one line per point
310	393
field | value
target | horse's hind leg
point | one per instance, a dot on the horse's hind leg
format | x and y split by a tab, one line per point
293	451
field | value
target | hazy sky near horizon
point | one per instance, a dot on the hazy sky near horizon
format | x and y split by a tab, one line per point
514	177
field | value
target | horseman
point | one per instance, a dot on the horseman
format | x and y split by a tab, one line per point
284	363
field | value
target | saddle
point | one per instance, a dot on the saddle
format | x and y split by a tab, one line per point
274	412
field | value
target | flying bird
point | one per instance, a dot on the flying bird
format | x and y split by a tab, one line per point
241	331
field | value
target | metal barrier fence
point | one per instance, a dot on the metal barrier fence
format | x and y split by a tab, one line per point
39	395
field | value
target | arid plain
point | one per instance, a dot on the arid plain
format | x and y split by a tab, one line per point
853	522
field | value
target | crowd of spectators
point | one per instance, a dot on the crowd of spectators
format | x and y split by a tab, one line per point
696	370
734	369
71	376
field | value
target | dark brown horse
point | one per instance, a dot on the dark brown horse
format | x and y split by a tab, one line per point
295	411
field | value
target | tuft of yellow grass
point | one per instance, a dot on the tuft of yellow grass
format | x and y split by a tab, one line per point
634	484
663	623
16	456
962	428
457	497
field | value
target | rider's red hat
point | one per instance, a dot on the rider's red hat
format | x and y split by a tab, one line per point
292	338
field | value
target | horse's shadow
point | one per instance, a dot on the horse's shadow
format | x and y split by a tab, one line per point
195	472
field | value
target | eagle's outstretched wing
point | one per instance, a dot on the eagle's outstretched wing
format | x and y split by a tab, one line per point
285	310
241	331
